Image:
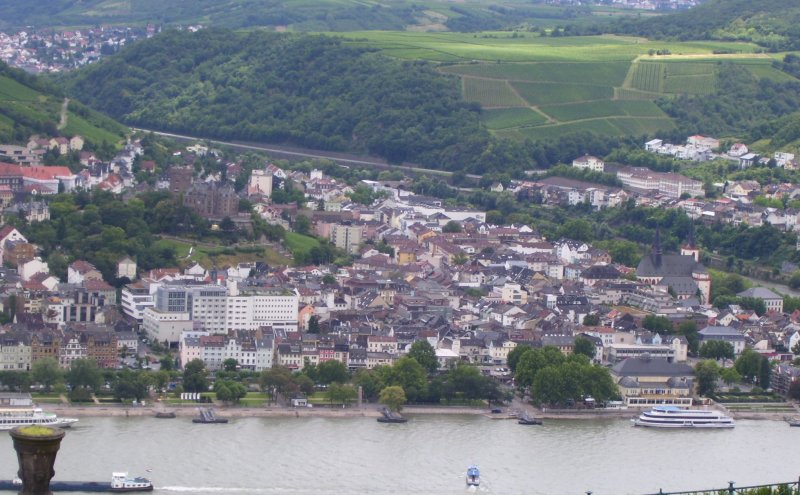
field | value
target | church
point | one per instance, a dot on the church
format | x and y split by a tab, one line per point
683	273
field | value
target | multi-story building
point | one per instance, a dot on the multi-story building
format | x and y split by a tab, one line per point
589	162
670	184
347	236
212	200
15	353
136	298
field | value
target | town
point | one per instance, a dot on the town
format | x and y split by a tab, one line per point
417	270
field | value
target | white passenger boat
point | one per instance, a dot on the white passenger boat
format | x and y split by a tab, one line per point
12	417
677	417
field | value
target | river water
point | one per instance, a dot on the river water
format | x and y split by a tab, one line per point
427	455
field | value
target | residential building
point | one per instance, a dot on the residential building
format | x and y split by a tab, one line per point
724	334
589	162
347	236
773	302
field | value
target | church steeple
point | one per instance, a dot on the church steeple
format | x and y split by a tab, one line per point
690	248
657	248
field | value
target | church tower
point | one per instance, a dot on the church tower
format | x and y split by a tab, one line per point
690	248
657	253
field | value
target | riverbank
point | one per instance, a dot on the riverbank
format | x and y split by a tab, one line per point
369	411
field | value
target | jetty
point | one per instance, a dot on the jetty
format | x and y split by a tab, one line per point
206	415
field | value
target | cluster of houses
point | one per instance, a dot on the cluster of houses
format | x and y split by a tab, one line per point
474	292
38	51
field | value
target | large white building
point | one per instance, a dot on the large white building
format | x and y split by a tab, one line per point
136	298
165	325
673	185
220	310
250	349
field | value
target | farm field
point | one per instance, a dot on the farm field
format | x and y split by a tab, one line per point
541	87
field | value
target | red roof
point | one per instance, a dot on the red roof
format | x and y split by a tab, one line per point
45	173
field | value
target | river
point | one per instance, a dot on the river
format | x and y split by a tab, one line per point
427	455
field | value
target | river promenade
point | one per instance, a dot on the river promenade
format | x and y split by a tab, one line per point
371	411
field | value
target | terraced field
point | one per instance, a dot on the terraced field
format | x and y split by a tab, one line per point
541	87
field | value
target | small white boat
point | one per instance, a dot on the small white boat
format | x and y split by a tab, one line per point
473	476
677	417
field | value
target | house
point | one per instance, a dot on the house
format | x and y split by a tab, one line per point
589	162
724	334
646	381
80	270
772	301
126	268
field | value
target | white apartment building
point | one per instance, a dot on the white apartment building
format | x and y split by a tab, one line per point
220	310
136	298
165	325
670	184
260	183
589	162
15	355
249	349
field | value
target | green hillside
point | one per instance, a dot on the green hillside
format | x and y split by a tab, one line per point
774	24
311	91
28	106
320	15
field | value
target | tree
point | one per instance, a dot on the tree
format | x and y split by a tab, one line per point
344	394
730	376
46	372
410	375
84	373
131	385
584	346
229	391
393	397
716	349
167	363
591	320
195	376
313	325
304	384
371	384
707	373
302	225
749	365
230	364
276	380
515	354
534	361
689	330
796	349
451	227
332	371
658	324
423	352
329	279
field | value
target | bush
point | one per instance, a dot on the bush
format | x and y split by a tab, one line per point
80	395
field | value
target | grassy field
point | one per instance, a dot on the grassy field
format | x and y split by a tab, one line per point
298	243
505	118
544	93
222	256
491	93
21	103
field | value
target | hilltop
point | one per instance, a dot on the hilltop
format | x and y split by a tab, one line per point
311	91
322	15
28	105
769	23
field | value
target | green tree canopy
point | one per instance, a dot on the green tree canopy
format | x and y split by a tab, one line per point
195	376
46	372
332	371
423	352
393	397
584	346
707	374
84	373
716	349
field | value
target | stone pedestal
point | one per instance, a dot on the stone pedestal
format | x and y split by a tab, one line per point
36	448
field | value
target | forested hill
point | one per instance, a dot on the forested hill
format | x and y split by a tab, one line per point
774	24
310	91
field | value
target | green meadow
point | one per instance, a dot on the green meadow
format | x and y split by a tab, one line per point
533	87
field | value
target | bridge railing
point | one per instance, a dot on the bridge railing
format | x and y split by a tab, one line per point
787	488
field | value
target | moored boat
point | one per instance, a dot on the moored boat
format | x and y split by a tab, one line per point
120	482
165	414
11	417
473	476
677	417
